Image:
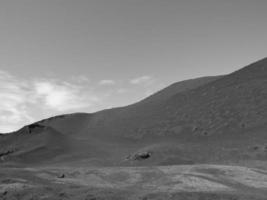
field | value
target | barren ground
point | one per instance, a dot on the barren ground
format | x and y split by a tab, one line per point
185	182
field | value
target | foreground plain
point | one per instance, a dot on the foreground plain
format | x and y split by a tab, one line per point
185	182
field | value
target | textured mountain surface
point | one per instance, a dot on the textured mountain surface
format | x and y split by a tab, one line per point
219	119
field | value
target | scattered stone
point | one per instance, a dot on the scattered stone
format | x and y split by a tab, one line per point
90	197
205	133
4	193
139	156
243	125
62	176
142	156
62	194
2	154
195	128
7	181
31	127
256	148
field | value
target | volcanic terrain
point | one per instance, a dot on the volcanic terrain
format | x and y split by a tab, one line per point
204	138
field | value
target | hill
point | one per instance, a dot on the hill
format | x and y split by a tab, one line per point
208	120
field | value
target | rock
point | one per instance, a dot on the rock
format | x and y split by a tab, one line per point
142	156
34	126
62	176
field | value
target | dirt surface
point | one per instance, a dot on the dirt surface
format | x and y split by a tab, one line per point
192	182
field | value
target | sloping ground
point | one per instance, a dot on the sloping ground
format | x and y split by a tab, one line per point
82	123
208	120
74	144
33	143
229	104
176	88
184	182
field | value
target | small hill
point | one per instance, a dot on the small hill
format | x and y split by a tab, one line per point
33	143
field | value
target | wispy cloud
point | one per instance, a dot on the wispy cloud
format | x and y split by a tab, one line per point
63	96
18	98
14	99
107	82
122	90
80	79
142	80
148	84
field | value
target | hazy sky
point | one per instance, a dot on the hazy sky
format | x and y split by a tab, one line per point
62	56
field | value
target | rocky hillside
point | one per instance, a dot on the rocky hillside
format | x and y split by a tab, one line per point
211	119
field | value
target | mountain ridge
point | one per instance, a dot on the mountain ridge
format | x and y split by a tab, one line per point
168	127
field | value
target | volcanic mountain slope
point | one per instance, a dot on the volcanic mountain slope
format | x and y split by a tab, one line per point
232	102
33	142
208	120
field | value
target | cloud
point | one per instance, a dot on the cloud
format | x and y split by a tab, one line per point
107	82
20	99
142	80
13	98
122	90
80	79
147	84
63	96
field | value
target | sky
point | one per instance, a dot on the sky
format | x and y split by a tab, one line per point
65	56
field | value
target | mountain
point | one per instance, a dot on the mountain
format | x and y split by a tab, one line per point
220	119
